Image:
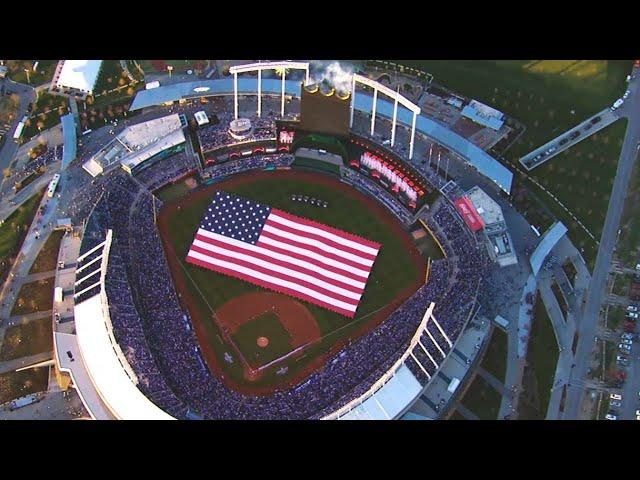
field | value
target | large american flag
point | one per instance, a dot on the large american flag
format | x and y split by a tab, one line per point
285	253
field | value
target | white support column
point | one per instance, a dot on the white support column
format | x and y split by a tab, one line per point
284	73
413	135
306	80
235	95
393	123
353	101
373	111
438	169
259	92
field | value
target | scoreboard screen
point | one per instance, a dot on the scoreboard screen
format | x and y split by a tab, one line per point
324	111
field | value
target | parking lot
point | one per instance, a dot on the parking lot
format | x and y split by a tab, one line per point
624	403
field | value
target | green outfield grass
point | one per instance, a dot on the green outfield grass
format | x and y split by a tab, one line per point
394	269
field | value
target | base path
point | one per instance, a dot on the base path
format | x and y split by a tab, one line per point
294	316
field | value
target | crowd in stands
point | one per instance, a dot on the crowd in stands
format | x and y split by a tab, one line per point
371	188
255	162
167	170
156	336
216	136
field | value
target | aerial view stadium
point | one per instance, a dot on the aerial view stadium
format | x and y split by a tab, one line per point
319	239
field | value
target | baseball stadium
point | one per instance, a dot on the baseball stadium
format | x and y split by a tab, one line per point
269	247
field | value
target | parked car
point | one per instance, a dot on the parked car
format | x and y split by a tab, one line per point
615	403
615	396
624	347
632	308
627	335
626	341
610	416
632	315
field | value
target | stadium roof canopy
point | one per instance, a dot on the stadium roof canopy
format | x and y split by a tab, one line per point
79	74
548	241
205	88
108	375
391	400
478	158
69	139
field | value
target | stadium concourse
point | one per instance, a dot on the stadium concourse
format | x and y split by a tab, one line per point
156	344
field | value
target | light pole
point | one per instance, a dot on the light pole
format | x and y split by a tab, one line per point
27	72
169	69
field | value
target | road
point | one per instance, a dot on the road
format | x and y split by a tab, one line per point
27	94
587	328
580	132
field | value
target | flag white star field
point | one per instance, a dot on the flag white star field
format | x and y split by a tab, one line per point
284	253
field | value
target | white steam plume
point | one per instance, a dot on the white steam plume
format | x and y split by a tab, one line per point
336	74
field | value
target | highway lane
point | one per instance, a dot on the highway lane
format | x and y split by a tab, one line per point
595	295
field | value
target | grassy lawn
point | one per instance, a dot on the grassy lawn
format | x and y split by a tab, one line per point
43	74
34	297
560	298
48	256
495	358
629	239
46	113
570	271
456	415
8	106
13	229
29	338
19	384
615	317
550	96
394	269
482	399
542	357
620	285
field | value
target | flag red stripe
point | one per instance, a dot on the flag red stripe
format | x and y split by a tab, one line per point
319	238
326	266
231	259
270	286
274	261
326	228
311	248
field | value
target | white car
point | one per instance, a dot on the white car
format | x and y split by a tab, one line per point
624	347
627	335
615	396
626	341
609	416
632	308
614	403
632	315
